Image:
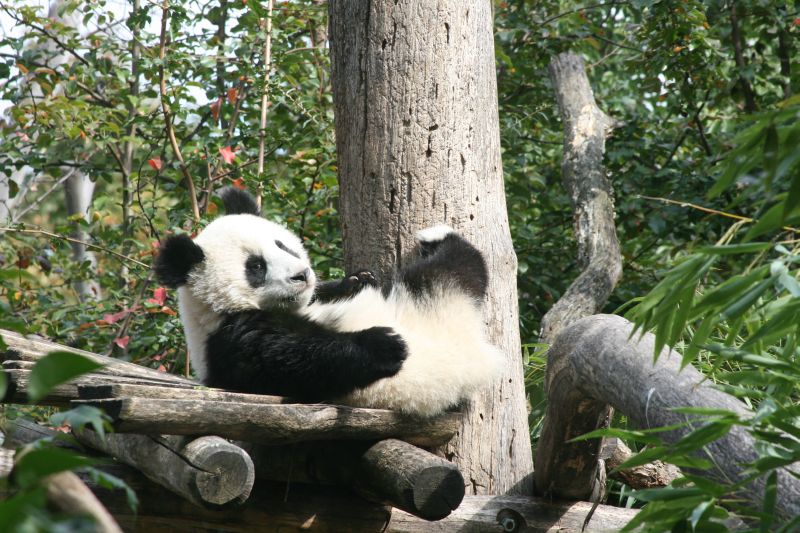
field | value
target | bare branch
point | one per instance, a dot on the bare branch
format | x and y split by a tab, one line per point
39	231
265	95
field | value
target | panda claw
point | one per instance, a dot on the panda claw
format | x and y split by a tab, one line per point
359	280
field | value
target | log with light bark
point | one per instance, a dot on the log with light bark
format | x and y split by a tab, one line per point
418	144
270	423
207	471
595	361
70	495
389	471
21	348
61	395
583	174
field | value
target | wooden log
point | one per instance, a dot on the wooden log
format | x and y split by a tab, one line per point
272	424
31	349
403	476
16	391
207	471
133	390
61	395
21	431
65	490
391	471
274	507
70	495
646	476
596	361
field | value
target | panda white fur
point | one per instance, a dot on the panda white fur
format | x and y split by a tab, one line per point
257	321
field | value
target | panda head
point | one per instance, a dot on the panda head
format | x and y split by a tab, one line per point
239	262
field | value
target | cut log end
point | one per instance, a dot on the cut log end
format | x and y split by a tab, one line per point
437	492
227	475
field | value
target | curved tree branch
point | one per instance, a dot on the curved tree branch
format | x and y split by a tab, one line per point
591	193
599	360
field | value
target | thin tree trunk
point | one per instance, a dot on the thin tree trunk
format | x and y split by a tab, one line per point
78	190
415	101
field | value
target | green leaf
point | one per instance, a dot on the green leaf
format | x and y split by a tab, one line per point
744	303
699	339
17	509
56	368
79	416
770	496
771	144
735	249
37	464
770	221
792	199
111	482
779	325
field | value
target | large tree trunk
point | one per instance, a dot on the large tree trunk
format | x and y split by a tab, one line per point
417	130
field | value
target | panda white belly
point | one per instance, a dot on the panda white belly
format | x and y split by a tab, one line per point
448	359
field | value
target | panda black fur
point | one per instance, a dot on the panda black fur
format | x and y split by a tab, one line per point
245	290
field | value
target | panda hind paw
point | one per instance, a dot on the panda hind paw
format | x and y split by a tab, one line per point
434	234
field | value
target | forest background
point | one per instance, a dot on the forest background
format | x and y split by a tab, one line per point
704	159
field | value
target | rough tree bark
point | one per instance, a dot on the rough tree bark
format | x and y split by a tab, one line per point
584	177
418	143
596	361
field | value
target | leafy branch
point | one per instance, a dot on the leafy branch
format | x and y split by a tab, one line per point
162	86
39	231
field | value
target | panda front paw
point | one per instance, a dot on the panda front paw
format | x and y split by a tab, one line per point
386	351
358	281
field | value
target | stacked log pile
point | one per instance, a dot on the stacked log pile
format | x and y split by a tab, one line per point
208	446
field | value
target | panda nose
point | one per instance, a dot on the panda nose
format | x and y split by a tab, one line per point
301	277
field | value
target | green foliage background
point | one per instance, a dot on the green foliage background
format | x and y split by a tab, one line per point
705	93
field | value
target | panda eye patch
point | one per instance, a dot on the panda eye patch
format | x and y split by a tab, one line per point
255	269
283	247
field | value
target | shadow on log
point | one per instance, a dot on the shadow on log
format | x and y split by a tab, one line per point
594	362
390	471
273	507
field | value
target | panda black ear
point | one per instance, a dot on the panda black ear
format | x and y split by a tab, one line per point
238	202
177	256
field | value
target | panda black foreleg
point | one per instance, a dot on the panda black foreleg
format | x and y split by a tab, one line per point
328	291
308	363
446	259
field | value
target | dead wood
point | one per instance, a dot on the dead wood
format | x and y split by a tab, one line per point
584	178
595	362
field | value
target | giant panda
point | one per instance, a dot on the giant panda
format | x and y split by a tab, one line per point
256	319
